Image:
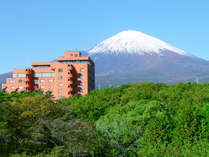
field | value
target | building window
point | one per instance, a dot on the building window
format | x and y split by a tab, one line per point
42	87
51	74
50	87
41	66
14	75
42	80
61	84
81	90
60	70
81	77
11	81
18	75
20	81
60	77
60	91
81	84
36	87
82	69
47	74
20	87
12	87
51	80
36	80
74	62
21	75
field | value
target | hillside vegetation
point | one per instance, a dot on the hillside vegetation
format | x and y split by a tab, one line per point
142	119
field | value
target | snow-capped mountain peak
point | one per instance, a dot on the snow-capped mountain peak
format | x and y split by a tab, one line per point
133	42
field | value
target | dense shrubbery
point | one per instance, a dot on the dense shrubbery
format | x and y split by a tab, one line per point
142	119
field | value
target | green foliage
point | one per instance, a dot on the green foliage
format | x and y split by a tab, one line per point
141	119
148	119
91	107
33	123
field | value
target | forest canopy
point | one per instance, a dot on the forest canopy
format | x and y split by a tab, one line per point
140	119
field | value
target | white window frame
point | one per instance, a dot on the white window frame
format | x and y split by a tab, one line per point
60	91
82	70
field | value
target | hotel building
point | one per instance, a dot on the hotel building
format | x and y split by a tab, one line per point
68	75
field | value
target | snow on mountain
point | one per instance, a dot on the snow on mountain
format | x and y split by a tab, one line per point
132	56
134	42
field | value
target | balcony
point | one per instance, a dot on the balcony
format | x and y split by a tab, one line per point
70	90
70	81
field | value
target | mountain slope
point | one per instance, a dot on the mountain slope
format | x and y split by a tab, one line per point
133	42
132	56
3	77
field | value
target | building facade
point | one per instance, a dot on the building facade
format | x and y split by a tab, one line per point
68	75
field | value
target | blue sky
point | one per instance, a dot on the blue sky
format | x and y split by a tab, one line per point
40	30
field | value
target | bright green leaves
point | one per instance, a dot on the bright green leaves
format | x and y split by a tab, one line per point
141	119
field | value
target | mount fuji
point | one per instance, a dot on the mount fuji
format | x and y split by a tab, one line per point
132	56
133	42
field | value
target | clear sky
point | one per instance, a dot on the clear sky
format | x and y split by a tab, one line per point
40	30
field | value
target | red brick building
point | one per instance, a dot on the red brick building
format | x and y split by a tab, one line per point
68	75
